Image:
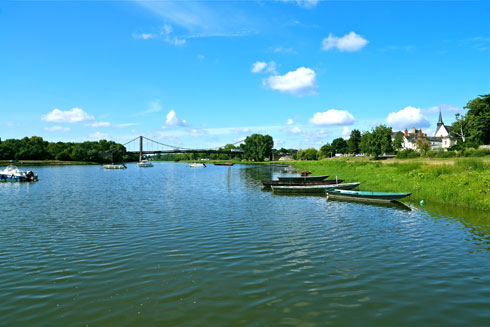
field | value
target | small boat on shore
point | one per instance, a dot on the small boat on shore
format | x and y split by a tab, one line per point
115	166
223	163
197	165
313	188
144	164
302	178
269	183
14	174
365	196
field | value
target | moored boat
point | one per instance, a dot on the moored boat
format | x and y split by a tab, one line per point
313	188
365	196
269	183
145	163
223	163
115	166
302	178
197	165
14	174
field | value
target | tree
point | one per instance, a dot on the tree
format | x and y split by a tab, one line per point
474	127
339	145
310	154
257	147
458	129
423	145
326	151
354	142
366	142
398	142
380	141
478	120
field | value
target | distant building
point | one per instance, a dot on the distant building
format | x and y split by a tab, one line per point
440	140
443	131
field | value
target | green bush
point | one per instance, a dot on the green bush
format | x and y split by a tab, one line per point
446	154
407	153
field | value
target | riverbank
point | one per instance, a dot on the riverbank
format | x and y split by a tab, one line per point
456	181
45	163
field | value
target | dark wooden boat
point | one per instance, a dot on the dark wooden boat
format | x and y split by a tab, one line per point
366	196
302	178
313	188
268	183
223	163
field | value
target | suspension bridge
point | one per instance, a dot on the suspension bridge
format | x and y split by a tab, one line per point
144	146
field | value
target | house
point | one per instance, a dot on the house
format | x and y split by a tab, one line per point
440	140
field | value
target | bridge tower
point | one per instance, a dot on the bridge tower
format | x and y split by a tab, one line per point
141	148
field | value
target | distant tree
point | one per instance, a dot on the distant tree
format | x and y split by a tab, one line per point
283	151
459	129
380	141
326	151
354	142
473	128
398	142
339	145
366	142
310	154
257	147
423	145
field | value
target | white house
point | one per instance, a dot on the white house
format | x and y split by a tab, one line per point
440	140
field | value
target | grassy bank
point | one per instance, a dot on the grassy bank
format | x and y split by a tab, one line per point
458	181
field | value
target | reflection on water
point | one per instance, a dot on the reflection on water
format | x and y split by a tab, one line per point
171	246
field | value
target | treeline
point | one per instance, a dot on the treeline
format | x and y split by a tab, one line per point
35	148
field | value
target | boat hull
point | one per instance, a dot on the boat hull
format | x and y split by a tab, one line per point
269	183
302	178
366	196
313	188
197	165
224	164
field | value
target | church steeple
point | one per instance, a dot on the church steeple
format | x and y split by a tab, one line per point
439	123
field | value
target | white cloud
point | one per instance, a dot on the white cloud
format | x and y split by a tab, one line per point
165	34
289	121
57	129
294	130
346	133
99	136
258	66
100	124
303	3
302	81
332	117
173	120
408	117
348	42
76	115
264	67
443	108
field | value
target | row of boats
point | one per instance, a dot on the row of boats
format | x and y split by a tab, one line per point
203	165
146	163
334	188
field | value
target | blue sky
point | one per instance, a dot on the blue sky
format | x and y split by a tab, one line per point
206	73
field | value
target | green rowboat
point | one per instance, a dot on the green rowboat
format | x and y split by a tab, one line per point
365	196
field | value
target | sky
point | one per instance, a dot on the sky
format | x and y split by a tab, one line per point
202	74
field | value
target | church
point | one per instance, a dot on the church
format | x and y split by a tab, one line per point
440	140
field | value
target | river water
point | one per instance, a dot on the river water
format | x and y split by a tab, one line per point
176	246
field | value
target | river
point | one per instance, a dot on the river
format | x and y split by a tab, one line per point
176	246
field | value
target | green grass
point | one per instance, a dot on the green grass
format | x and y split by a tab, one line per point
462	182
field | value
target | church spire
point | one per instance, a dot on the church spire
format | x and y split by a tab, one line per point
439	123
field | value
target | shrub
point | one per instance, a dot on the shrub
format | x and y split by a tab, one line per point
407	153
446	154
